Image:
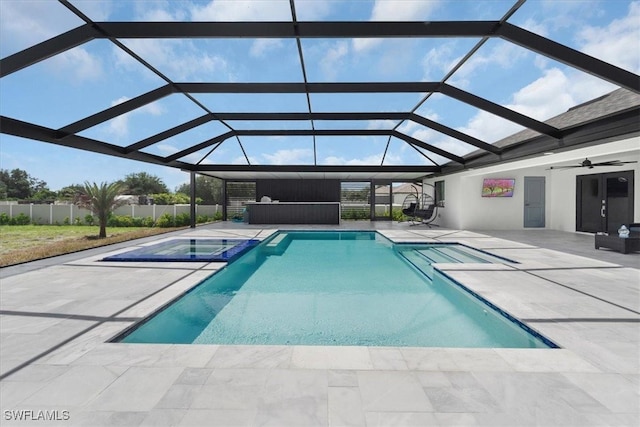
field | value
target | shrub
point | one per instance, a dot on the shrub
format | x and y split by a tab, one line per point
166	220
162	199
355	213
120	221
77	221
397	215
21	219
4	218
148	222
89	219
182	219
217	216
66	221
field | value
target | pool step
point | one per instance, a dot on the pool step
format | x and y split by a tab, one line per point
419	261
277	245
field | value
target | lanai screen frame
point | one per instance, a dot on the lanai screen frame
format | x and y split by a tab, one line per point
551	138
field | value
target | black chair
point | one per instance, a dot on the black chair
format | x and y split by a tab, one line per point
421	216
409	210
426	215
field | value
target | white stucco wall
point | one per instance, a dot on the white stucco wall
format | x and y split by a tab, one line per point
466	209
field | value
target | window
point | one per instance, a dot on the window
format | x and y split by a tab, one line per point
439	185
355	200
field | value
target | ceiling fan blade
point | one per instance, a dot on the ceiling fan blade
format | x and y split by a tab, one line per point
563	167
587	164
612	163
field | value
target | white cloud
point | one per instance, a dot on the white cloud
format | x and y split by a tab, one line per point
241	160
533	99
161	10
566	89
534	26
78	64
374	159
118	127
403	10
312	10
438	61
260	47
167	149
157	15
242	10
97	10
292	156
333	58
381	124
502	53
395	10
487	127
618	42
179	59
25	23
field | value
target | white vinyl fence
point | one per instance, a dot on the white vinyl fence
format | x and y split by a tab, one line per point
60	214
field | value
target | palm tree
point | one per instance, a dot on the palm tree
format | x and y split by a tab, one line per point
101	200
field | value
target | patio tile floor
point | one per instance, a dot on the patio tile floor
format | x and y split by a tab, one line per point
56	317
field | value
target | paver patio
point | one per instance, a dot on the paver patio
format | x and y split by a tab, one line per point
56	320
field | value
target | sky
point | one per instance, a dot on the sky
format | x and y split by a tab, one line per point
98	75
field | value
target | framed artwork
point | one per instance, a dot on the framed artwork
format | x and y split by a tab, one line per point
498	187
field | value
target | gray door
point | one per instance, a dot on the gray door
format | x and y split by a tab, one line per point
534	201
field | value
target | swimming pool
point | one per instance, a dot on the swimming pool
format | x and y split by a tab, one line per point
336	288
188	250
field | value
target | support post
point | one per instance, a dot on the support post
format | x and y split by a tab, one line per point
372	201
192	206
224	200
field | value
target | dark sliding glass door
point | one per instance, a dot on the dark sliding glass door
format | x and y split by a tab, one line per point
604	201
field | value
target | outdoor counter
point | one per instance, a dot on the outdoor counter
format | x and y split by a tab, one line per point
294	212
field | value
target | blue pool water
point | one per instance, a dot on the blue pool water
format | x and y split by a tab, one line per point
337	288
188	250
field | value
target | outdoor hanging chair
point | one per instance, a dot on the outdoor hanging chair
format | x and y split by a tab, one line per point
420	207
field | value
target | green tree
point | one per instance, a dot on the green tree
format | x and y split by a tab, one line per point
44	195
101	200
208	189
3	190
172	199
142	183
70	192
20	185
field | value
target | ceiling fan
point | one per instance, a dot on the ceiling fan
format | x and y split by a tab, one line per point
586	163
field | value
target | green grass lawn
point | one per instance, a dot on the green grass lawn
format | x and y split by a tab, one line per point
21	243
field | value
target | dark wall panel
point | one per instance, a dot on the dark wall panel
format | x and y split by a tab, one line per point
299	190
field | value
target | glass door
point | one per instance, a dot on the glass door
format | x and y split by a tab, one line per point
383	200
590	204
604	201
619	202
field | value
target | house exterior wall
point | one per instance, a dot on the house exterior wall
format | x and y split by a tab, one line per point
466	209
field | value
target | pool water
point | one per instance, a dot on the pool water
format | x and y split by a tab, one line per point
188	250
336	288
